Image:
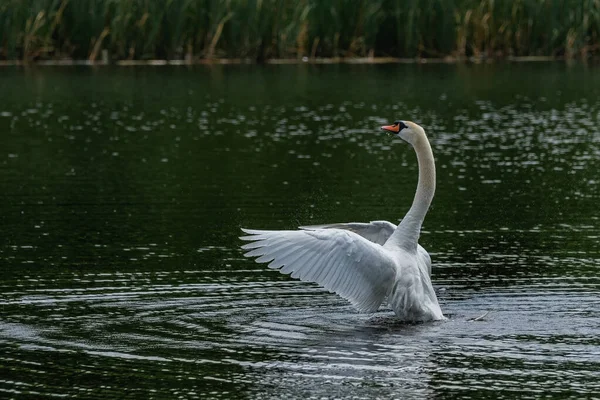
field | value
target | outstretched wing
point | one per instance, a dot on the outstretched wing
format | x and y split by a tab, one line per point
339	260
375	231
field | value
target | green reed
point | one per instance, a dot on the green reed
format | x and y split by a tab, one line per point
263	29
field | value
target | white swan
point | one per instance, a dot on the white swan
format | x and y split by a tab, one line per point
365	263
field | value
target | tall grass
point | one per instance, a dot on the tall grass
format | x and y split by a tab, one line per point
263	29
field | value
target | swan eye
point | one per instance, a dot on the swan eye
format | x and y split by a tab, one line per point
401	125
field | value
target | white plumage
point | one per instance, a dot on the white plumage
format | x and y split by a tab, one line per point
339	260
365	263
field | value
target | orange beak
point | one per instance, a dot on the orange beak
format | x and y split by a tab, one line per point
391	128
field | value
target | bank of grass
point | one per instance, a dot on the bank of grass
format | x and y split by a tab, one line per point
260	30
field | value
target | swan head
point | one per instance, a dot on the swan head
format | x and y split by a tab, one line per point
406	130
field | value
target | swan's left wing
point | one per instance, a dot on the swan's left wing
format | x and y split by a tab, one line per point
339	260
375	231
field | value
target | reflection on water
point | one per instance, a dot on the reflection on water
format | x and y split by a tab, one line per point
124	190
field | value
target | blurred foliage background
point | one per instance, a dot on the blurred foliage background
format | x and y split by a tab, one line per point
259	30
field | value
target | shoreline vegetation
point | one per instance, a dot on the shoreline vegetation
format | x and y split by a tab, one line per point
174	32
278	61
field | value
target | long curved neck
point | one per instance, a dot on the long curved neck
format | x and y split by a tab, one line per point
407	233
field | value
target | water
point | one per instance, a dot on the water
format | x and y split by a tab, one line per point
123	191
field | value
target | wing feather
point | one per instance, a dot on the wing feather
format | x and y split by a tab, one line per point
326	266
374	231
292	264
339	260
313	266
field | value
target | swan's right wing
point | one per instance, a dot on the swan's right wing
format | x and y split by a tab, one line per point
338	260
375	231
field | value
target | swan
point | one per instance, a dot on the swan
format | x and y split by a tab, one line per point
365	263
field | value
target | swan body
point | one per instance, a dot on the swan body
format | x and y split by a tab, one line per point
365	263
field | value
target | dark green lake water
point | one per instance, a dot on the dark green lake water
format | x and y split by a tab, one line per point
123	191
